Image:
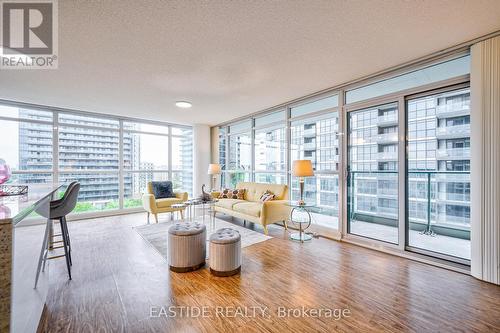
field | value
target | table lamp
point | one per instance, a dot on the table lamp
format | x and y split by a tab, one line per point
301	169
214	170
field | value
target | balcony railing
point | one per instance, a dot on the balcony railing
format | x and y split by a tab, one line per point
430	197
310	132
453	153
310	146
389	119
458	131
388	155
453	109
387	137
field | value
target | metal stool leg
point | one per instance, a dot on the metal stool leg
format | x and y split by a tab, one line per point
43	252
65	246
66	234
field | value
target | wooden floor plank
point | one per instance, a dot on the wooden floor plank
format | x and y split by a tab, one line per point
118	277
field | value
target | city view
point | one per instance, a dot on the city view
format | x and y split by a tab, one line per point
89	151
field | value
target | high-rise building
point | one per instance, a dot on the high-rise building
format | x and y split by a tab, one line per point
89	151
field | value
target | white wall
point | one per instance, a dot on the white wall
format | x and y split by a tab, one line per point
201	157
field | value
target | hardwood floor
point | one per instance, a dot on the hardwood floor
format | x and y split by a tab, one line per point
118	280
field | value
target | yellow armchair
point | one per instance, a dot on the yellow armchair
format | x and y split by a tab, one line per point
156	206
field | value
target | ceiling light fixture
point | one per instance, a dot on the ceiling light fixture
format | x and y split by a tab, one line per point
183	104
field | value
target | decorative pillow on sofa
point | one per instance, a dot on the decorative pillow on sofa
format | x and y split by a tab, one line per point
267	196
228	193
162	189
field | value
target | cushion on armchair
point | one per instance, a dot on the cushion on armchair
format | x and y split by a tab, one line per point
163	189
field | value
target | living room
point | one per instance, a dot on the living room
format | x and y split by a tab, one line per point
263	166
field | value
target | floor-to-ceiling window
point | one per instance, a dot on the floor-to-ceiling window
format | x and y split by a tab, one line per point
408	192
373	172
438	178
113	159
263	147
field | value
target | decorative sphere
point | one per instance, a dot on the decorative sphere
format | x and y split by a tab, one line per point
4	172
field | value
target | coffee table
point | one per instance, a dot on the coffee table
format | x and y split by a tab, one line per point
206	206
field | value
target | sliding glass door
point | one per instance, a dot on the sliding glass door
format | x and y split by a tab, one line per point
438	178
373	202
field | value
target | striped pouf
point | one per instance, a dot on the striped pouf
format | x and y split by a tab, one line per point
186	246
225	252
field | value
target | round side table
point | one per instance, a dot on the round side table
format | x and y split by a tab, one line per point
300	215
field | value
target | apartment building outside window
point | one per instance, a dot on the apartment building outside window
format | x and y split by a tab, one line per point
112	159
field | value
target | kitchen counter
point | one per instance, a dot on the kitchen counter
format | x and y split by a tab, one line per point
21	305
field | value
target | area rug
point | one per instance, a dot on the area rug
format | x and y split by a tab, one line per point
156	234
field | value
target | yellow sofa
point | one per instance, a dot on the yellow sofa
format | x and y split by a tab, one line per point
252	209
156	206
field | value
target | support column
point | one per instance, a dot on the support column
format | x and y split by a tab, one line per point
485	160
201	157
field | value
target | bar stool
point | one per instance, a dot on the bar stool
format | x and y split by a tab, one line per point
58	211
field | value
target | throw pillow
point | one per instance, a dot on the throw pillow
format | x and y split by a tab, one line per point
228	193
267	196
163	189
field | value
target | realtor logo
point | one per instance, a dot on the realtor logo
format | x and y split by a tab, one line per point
29	34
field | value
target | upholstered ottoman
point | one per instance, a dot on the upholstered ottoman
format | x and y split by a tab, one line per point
225	252
186	246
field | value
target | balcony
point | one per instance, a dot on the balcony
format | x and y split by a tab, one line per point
310	146
388	156
430	225
388	120
387	138
310	132
450	132
453	154
453	110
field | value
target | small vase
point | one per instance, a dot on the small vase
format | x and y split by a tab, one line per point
4	212
5	172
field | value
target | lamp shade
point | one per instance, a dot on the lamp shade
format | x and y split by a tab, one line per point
214	169
302	168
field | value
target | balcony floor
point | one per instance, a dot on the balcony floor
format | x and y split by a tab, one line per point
456	247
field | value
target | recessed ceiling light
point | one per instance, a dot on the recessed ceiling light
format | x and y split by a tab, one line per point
183	104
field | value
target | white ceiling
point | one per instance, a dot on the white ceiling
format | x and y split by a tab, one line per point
231	58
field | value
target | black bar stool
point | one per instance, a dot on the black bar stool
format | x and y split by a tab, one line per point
58	211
